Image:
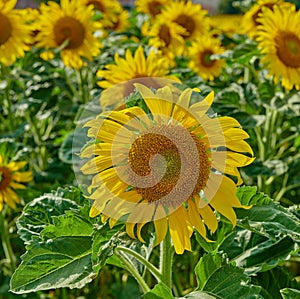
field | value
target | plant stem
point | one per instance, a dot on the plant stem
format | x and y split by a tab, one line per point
166	260
133	271
141	259
7	248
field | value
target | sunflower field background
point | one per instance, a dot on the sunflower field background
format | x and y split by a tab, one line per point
64	61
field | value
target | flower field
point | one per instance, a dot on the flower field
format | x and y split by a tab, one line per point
150	151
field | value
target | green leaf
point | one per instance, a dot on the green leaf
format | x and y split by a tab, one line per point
105	239
160	291
202	295
61	262
38	214
290	293
266	227
273	281
218	278
68	224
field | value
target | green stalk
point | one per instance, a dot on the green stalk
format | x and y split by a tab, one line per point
166	260
152	269
5	75
133	271
5	239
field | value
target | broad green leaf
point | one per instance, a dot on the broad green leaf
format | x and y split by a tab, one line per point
38	214
105	239
222	280
207	265
160	291
273	281
266	227
290	293
69	224
61	262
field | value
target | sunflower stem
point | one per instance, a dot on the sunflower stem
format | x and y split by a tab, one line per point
6	76
166	260
6	244
152	269
133	271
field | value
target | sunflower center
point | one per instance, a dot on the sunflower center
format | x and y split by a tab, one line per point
5	178
164	34
288	48
187	23
154	8
68	28
97	5
5	29
205	58
171	160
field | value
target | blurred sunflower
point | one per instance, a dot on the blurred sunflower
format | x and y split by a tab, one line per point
10	178
70	28
188	15
250	20
165	163
165	36
201	61
132	67
14	33
119	23
110	10
150	7
227	24
279	41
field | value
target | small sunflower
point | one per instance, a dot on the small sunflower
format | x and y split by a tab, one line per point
227	24
10	178
15	33
165	36
165	163
250	20
110	10
68	27
132	67
119	23
279	41
188	15
201	61
151	7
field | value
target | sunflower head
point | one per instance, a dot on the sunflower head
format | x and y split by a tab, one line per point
201	61
279	41
131	69
151	7
191	17
67	27
11	178
163	159
15	33
251	19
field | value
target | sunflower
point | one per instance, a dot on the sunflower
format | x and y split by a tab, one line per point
165	163
14	33
227	24
110	10
250	20
150	7
165	36
279	41
188	15
129	70
201	61
70	28
10	178
119	22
